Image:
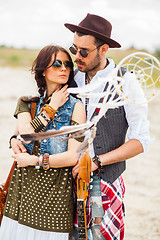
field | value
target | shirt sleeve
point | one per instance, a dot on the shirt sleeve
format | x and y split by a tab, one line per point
21	107
136	111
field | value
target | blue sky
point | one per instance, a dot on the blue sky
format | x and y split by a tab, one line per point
36	23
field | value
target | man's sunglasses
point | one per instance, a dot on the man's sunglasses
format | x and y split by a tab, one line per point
82	52
59	63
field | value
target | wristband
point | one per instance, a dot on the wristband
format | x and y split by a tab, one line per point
51	111
45	118
37	165
97	161
13	136
37	125
39	162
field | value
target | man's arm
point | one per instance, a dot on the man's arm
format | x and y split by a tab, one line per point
128	150
16	145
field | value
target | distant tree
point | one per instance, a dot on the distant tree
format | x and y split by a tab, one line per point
132	47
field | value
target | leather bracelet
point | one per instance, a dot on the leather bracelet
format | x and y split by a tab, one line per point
13	136
45	118
51	111
37	125
97	161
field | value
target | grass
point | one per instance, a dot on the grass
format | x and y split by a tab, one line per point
13	57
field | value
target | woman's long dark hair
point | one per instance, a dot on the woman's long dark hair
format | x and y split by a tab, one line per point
41	63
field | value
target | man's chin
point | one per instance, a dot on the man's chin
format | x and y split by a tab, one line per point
81	68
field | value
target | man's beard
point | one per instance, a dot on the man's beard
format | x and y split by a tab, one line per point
94	64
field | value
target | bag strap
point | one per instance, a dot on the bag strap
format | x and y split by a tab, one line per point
6	186
33	109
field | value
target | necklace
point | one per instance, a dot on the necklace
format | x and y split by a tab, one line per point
87	81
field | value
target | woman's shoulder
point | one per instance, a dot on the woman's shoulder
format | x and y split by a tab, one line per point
22	106
79	114
73	99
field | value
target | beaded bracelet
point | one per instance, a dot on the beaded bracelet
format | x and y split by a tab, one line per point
37	166
45	118
45	161
51	111
37	125
39	162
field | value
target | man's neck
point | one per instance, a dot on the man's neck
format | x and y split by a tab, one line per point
91	74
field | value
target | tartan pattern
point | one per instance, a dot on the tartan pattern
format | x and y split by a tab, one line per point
112	227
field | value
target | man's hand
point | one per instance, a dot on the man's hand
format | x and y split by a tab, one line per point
75	169
17	146
25	159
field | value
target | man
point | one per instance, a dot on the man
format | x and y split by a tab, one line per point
92	38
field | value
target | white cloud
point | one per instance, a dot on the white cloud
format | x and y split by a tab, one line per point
35	23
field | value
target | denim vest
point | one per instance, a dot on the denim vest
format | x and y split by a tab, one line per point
62	118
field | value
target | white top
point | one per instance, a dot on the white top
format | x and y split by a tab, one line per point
136	114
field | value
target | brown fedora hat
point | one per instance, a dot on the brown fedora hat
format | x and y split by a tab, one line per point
96	26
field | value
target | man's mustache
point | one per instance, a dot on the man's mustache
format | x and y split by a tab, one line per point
80	62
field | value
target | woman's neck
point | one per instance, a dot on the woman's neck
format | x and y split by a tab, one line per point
52	88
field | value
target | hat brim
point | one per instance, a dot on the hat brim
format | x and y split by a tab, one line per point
74	28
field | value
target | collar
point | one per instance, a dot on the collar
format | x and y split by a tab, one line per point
80	80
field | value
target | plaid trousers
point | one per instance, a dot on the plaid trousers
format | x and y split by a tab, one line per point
112	226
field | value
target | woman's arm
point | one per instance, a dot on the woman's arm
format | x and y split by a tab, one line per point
59	97
65	159
70	157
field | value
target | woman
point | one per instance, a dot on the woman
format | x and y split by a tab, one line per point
40	203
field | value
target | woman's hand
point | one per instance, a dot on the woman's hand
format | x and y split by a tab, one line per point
59	97
17	146
25	159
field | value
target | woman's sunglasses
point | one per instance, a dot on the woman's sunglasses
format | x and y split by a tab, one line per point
82	52
59	63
